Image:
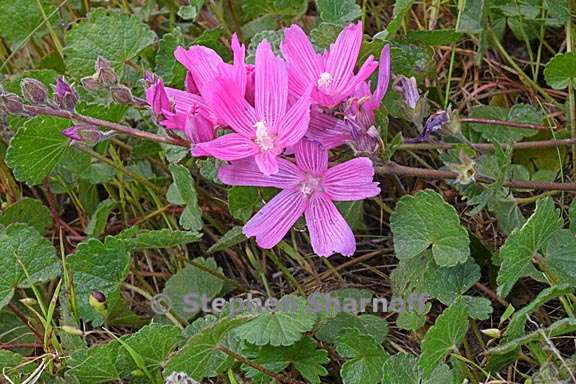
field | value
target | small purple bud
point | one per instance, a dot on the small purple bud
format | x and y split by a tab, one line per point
105	74
90	83
34	91
12	103
84	133
409	90
436	121
65	95
122	94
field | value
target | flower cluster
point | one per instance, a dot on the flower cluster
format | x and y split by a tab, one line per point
276	120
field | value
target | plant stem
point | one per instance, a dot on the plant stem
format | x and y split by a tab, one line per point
44	110
571	98
508	123
392	168
489	147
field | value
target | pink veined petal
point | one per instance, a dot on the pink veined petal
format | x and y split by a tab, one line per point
328	130
233	110
228	147
351	180
311	157
157	97
189	84
175	121
344	54
304	64
202	62
329	232
183	100
267	162
274	220
199	129
246	173
271	84
293	125
363	74
250	83
383	78
239	67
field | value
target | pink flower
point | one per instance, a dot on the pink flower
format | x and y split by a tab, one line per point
331	73
358	126
309	187
156	95
262	131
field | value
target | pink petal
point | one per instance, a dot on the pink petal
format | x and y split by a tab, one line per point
383	77
328	130
294	124
304	64
184	101
311	157
239	72
233	110
202	62
352	180
275	219
228	147
329	232
199	129
271	84
189	84
344	54
267	162
363	74
157	97
245	172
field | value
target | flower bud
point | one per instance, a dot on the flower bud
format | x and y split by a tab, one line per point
105	74
436	121
122	94
65	95
409	90
494	333
84	133
28	301
72	330
90	83
97	300
34	91
465	170
11	103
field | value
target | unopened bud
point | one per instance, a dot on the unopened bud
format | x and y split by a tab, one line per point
84	133
465	170
97	300
11	103
34	91
72	330
28	301
105	74
122	94
65	95
409	90
90	83
494	333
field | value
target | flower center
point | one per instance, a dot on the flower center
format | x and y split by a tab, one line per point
324	80
310	185
263	138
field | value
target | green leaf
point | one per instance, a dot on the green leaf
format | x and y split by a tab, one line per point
329	304
117	37
516	253
446	334
38	148
435	37
21	19
561	70
95	365
448	283
26	258
243	202
28	211
190	285
401	9
162	238
522	113
13	366
276	8
199	358
230	239
167	67
371	325
353	213
426	220
324	34
183	187
401	369
308	360
99	219
98	266
412	59
364	358
559	255
285	326
153	343
338	11
190	12
470	17
479	308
